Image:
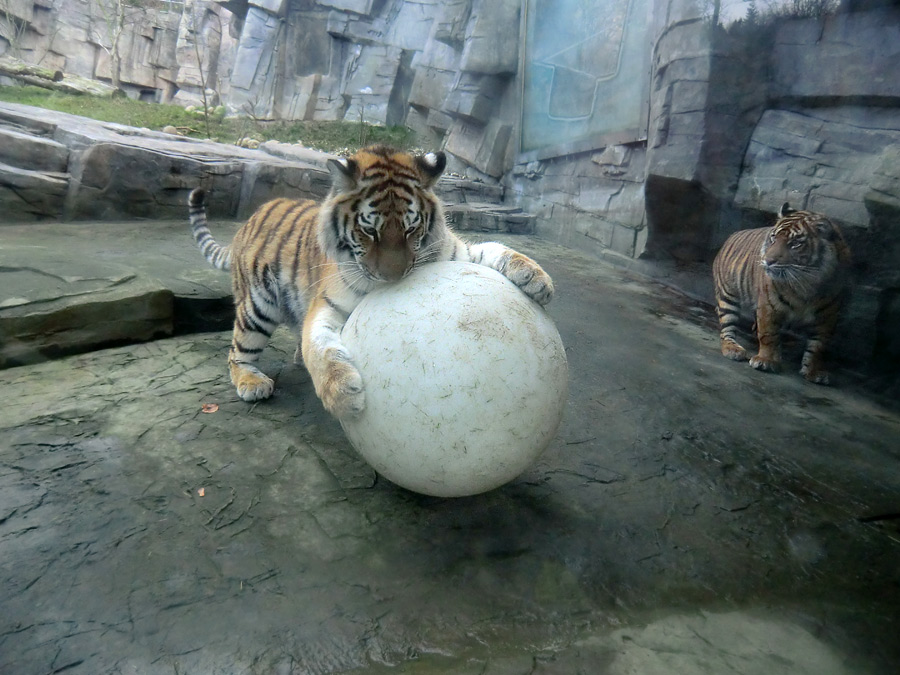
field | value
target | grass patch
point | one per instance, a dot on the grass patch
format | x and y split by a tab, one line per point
335	137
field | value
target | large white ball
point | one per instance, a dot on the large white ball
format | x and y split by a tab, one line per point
465	378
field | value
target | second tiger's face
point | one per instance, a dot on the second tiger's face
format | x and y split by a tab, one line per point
800	243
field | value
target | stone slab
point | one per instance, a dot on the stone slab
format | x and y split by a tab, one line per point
31	152
89	285
483	147
115	171
476	97
478	217
357	6
31	195
823	159
839	56
120	310
75	287
276	7
488	50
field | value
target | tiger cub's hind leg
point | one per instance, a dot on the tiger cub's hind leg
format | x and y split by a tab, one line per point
251	334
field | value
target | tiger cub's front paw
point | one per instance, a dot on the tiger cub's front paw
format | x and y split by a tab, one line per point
251	383
530	277
342	391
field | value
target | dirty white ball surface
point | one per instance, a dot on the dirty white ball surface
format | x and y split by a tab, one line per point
465	378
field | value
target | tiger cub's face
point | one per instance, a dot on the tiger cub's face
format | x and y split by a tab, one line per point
800	243
382	212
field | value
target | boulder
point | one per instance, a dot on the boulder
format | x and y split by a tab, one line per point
31	195
411	25
363	7
882	201
846	55
112	180
359	30
452	21
254	77
488	50
370	79
276	7
119	172
31	152
483	147
430	87
476	97
124	309
822	159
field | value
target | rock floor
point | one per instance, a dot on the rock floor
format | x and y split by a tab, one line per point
692	515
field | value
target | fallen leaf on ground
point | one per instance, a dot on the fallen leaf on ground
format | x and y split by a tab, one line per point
201	492
209	407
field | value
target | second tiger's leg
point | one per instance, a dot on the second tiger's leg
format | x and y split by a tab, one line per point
768	358
813	366
728	311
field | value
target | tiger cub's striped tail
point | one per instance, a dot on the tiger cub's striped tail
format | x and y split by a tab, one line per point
218	256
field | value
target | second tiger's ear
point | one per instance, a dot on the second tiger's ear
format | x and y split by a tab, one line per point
344	174
432	165
826	230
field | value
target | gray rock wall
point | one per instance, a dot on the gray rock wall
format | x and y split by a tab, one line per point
740	117
77	36
442	68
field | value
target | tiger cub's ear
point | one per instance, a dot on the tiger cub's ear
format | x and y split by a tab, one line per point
431	165
344	174
785	210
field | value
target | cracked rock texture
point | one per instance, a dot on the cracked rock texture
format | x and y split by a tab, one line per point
693	515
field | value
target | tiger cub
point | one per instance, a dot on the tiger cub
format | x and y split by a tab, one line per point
796	272
308	265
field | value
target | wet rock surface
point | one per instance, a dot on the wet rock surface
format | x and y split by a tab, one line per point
692	515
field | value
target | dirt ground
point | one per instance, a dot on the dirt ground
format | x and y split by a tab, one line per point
692	516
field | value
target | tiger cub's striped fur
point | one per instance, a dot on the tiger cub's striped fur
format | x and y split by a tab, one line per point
793	273
308	265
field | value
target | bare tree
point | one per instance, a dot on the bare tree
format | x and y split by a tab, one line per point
12	27
212	22
115	18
